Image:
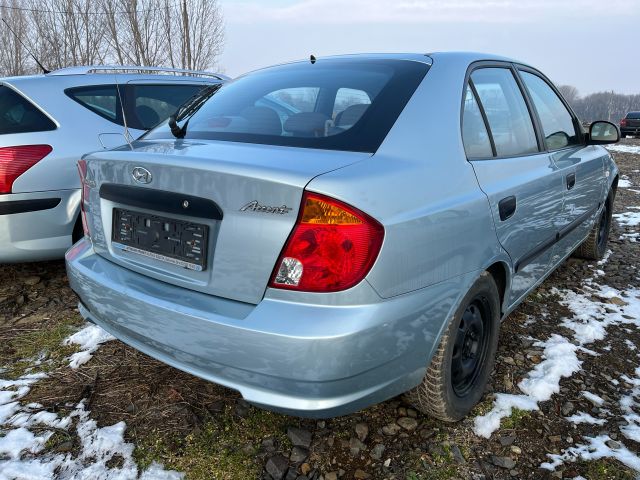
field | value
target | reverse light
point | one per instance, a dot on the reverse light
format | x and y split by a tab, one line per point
332	247
84	198
14	161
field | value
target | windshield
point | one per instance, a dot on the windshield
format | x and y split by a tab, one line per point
339	104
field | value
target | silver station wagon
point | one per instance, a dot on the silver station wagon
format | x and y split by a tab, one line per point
327	234
48	121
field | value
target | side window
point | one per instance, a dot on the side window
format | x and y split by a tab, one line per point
474	132
155	103
100	99
557	123
509	119
18	115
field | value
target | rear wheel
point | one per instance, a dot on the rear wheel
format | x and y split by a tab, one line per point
595	246
458	373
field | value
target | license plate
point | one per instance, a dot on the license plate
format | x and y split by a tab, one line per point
172	241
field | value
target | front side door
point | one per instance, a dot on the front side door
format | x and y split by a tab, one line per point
521	181
582	166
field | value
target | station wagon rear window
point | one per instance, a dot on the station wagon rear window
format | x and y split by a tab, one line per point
18	115
145	105
333	104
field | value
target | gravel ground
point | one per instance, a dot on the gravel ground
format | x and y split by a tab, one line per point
207	431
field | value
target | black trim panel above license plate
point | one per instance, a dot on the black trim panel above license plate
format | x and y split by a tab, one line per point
169	240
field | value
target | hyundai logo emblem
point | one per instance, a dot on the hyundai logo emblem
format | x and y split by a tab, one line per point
141	175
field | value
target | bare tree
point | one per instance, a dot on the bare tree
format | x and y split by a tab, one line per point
14	59
609	105
66	32
569	92
177	33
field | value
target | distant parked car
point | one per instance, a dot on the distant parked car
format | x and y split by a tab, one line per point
47	122
361	241
630	125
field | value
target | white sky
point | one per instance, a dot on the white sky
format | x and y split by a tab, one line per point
591	44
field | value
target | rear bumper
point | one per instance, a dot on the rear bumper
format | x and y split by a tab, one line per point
300	359
37	226
630	130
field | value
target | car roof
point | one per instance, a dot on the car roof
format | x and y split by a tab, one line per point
428	58
99	74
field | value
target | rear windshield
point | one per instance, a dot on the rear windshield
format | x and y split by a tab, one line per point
18	115
332	104
145	105
633	115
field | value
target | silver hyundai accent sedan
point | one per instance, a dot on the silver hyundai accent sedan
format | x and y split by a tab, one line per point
363	242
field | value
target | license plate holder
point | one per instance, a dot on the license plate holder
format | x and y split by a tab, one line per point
169	240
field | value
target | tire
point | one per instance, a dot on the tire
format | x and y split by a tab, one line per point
445	392
595	245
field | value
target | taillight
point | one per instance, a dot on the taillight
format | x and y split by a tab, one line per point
84	198
623	122
332	247
14	161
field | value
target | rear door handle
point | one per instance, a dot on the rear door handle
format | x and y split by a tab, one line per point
507	207
571	181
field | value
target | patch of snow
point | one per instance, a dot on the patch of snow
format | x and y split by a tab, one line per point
592	317
624	148
627	404
89	339
19	442
595	450
634	190
595	309
560	360
632	237
592	397
624	183
630	345
628	219
582	417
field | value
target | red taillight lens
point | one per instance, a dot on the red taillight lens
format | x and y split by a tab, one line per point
623	122
332	247
14	161
84	199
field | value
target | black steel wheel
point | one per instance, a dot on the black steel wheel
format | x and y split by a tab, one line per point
462	362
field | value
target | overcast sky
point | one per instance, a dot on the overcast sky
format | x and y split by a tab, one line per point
591	44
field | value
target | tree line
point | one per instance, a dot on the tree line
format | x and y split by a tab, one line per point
60	33
610	106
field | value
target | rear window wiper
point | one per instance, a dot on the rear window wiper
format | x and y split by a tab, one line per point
190	107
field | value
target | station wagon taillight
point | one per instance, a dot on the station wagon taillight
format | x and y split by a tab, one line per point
332	247
84	199
623	122
14	161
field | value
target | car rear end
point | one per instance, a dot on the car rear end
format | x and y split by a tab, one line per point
28	137
47	122
213	253
630	125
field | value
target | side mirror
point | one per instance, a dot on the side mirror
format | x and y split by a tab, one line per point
602	133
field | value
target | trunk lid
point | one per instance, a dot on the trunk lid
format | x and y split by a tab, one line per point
245	199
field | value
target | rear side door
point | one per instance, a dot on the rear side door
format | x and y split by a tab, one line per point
524	186
582	166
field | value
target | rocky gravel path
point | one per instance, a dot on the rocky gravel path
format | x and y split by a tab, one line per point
563	402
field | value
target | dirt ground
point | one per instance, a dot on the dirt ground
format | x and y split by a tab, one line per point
209	432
